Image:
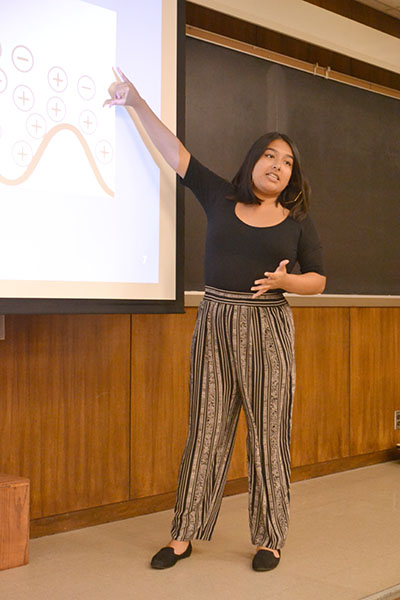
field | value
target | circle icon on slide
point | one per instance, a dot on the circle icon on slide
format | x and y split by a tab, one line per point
22	58
57	79
23	98
56	109
22	153
104	152
3	81
36	126
87	122
86	87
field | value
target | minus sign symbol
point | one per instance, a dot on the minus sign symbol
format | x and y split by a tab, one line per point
22	58
84	87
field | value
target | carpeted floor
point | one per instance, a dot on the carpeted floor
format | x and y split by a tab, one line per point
343	544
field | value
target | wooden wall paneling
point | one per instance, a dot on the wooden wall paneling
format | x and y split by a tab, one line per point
160	399
64	409
375	381
321	405
212	20
207	18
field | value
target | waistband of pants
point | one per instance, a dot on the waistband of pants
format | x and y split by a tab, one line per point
244	298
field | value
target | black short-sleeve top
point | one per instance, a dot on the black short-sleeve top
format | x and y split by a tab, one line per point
236	253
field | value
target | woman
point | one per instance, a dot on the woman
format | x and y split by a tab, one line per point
242	349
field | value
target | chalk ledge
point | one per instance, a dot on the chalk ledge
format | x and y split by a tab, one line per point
193	299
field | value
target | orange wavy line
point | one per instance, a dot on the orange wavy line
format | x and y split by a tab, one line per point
44	143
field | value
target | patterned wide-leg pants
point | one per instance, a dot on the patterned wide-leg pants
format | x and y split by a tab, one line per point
242	354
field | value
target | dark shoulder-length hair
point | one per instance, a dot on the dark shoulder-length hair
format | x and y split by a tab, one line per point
296	195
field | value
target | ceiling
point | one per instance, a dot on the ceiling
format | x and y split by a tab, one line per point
389	7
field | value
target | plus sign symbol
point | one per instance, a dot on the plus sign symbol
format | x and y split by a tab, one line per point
23	98
104	152
56	109
22	153
36	126
57	79
87	122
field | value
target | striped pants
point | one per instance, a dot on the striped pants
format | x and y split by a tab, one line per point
242	354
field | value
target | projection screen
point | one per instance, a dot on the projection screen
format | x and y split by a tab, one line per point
89	210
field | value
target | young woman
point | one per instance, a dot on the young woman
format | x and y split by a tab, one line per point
242	350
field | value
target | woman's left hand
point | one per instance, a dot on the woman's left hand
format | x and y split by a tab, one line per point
272	281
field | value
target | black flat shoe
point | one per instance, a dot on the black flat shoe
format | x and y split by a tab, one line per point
265	560
166	557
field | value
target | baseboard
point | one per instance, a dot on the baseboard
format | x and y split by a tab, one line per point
142	506
343	464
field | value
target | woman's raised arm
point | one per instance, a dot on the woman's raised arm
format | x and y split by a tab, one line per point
124	93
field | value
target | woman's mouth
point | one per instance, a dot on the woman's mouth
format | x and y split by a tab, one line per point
273	176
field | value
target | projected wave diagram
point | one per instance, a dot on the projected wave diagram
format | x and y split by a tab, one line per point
40	151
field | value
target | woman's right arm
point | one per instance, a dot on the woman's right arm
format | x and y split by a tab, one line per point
124	93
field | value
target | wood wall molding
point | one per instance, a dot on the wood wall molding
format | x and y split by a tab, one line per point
261	37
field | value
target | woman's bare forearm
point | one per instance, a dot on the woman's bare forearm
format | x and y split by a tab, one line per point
307	283
173	151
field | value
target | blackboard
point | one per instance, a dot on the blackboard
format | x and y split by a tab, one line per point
349	141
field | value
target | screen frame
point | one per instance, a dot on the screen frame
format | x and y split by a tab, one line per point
117	306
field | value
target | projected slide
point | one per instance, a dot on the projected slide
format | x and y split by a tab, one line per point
83	206
44	100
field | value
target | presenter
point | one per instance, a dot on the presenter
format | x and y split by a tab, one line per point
242	353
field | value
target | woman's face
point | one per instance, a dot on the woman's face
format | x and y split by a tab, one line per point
272	171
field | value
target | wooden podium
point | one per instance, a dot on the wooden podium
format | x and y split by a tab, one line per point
14	521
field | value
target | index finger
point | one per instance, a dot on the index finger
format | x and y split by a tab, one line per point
121	74
117	77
